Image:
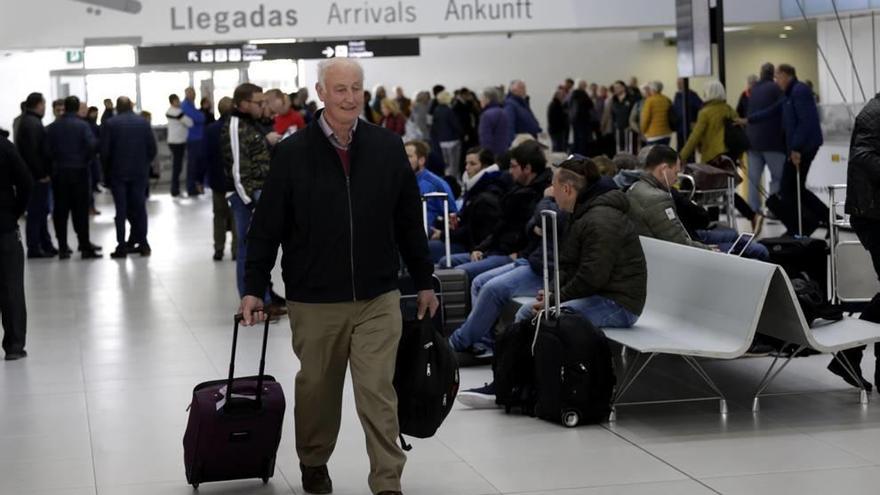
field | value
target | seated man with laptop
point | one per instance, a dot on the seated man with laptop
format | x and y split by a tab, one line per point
654	212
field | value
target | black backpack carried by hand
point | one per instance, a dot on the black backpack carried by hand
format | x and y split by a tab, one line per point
425	378
574	372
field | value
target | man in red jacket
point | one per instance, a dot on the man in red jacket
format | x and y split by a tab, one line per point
287	120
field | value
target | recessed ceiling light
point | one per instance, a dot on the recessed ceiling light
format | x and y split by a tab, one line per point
789	28
783	36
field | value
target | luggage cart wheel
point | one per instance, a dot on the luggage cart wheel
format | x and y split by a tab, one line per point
570	419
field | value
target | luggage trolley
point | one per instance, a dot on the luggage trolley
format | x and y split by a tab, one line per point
851	282
721	198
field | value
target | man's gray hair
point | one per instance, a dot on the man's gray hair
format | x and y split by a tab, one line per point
656	86
492	95
325	65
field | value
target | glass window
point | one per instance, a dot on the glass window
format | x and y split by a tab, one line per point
109	57
275	74
155	89
225	82
103	86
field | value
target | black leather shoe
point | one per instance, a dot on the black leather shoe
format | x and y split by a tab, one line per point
120	253
91	255
51	251
390	492
64	254
38	254
91	247
218	255
15	356
145	250
316	480
835	367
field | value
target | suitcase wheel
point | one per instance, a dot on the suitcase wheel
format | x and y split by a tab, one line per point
195	486
265	480
570	419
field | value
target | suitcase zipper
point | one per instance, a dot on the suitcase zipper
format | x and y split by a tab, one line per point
351	236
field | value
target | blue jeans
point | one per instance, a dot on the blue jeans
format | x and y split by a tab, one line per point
130	200
475	268
37	227
242	214
601	311
492	291
438	250
195	166
773	160
724	239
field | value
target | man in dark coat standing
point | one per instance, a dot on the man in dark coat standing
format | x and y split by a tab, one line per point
72	146
33	148
15	188
863	207
347	188
128	147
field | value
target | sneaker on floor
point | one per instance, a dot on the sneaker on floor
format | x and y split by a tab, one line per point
835	367
479	398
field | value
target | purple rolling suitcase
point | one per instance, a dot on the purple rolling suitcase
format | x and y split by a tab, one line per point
237	438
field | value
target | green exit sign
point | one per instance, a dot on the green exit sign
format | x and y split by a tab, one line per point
74	56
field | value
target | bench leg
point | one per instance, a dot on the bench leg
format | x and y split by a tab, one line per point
706	378
632	373
768	377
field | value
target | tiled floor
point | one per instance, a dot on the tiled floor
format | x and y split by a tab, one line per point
116	346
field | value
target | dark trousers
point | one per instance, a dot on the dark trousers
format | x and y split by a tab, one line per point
223	222
71	188
195	166
815	212
13	312
37	227
559	141
869	234
177	152
130	200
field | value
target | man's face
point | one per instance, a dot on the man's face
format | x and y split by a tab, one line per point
83	111
472	164
521	174
782	79
519	89
190	94
175	103
342	94
415	162
57	110
40	109
668	173
253	106
276	105
108	104
564	194
680	84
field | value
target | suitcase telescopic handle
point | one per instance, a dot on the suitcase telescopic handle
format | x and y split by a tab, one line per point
238	319
552	217
445	198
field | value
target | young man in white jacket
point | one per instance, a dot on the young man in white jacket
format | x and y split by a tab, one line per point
178	130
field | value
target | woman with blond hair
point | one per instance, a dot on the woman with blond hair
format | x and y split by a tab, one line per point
392	117
446	133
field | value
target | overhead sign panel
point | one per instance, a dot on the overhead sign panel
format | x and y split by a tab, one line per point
693	35
250	52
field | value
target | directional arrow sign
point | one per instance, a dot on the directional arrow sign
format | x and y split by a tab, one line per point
192	56
328	52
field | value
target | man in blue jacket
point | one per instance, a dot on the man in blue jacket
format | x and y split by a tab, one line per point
803	138
195	168
519	114
223	219
417	152
71	147
766	138
127	149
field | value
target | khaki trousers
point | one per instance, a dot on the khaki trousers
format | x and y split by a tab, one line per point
326	339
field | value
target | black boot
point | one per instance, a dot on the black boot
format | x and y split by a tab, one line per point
854	358
316	479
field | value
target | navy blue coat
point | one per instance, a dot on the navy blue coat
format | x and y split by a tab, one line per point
695	104
71	142
800	118
522	120
128	147
766	135
445	126
216	168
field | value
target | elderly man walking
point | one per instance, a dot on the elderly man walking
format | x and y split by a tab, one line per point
343	201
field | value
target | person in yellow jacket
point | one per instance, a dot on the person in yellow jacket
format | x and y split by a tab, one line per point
708	138
654	120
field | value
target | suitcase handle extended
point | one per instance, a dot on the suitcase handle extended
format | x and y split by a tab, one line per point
445	198
552	215
238	319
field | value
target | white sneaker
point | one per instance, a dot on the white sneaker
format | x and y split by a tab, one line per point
479	398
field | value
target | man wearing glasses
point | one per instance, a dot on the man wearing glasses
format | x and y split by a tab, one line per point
245	152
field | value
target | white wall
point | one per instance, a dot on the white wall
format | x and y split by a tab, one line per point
861	40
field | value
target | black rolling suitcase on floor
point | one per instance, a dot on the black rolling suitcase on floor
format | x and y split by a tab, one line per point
234	436
454	283
574	373
798	255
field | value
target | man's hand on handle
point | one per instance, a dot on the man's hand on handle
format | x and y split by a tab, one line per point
252	311
428	303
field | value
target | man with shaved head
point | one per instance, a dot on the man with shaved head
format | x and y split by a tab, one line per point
343	201
128	147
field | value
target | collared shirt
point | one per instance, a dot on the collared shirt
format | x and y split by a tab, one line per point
328	131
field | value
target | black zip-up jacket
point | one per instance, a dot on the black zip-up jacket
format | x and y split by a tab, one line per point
15	186
33	147
863	171
517	207
340	235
